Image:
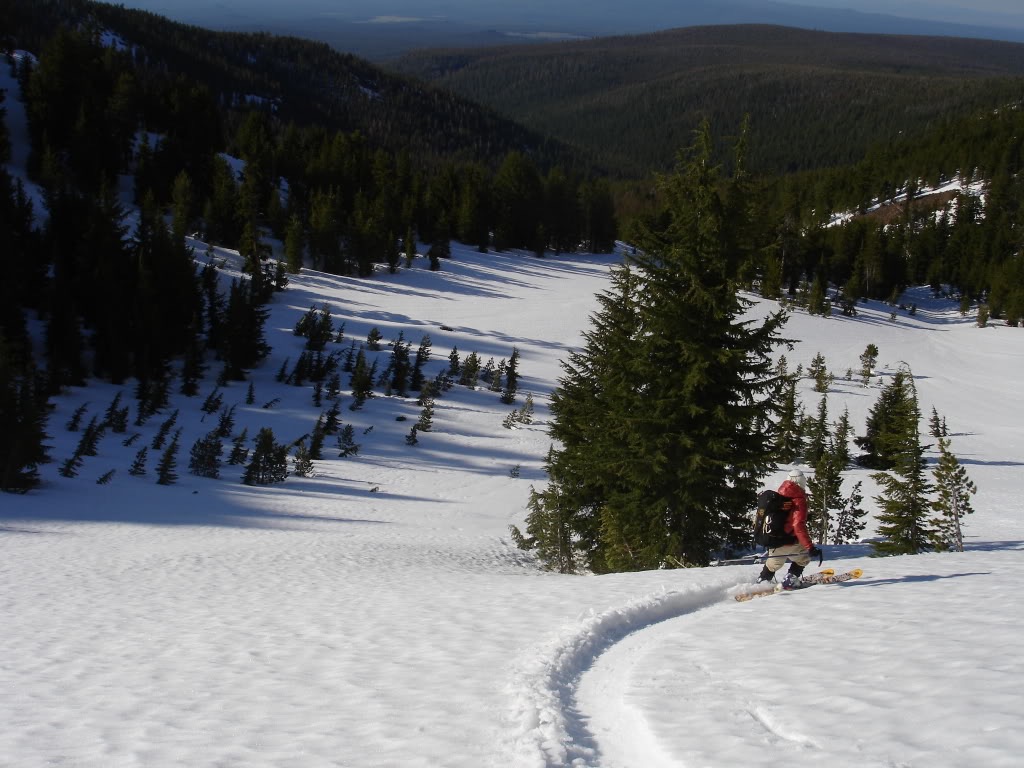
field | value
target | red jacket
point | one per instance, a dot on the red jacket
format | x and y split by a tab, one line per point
797	522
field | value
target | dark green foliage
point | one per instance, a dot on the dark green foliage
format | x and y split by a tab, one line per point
269	461
244	339
164	430
819	372
426	420
818	434
660	417
790	424
831	95
303	463
347	442
213	401
332	419
76	418
400	367
239	451
891	428
316	440
138	467
422	358
106	477
411	438
361	381
903	521
868	359
470	370
225	422
205	456
508	395
317	327
166	468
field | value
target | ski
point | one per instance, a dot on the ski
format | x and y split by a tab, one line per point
826	576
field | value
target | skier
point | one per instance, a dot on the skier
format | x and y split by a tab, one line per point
799	553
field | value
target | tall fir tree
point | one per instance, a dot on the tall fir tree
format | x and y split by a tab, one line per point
903	521
672	443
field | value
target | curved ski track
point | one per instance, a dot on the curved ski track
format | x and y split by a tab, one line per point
547	731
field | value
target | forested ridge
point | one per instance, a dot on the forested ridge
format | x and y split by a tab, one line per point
307	82
278	147
815	99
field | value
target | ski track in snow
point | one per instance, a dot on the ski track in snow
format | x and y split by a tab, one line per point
548	727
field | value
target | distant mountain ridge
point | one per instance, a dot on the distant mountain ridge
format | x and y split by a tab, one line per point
815	99
384	30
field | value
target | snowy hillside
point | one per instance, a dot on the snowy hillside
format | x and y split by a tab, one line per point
377	614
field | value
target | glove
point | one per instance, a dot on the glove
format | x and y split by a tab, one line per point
816	552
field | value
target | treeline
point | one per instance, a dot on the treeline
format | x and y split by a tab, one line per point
965	242
116	289
815	99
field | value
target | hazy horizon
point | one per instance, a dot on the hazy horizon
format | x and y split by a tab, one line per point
383	29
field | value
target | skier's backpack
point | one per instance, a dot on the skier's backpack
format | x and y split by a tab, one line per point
770	520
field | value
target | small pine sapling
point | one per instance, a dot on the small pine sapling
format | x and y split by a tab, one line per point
302	465
166	474
138	467
239	452
75	422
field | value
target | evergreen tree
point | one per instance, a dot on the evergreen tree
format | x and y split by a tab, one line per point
205	455
347	442
955	489
660	417
166	474
891	426
164	430
361	381
138	467
225	422
868	360
316	440
470	370
422	358
904	505
825	486
818	434
23	413
849	520
303	464
789	430
819	372
508	395
269	462
400	368
841	441
239	452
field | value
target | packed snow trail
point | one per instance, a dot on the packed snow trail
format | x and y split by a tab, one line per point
546	726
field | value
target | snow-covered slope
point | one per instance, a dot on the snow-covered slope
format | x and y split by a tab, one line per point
377	614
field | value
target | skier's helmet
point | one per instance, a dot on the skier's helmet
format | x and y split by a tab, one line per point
796	476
